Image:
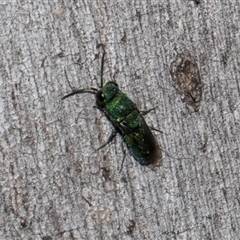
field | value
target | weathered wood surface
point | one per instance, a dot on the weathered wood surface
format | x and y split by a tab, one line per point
54	183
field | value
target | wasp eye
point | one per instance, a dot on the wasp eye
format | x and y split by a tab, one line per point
100	96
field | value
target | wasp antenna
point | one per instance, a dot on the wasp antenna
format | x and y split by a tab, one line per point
102	63
87	90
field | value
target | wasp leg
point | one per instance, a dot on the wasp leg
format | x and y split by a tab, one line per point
113	134
157	130
124	156
147	111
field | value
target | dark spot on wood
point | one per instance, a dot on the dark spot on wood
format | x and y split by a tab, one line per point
23	223
138	14
100	45
204	145
106	173
47	238
124	38
186	79
61	54
224	59
124	179
13	96
2	64
131	227
67	149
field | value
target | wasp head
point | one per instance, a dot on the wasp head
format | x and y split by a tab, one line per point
106	94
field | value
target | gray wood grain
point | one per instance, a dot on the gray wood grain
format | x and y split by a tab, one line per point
54	183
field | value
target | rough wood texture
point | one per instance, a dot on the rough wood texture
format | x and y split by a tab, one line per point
54	183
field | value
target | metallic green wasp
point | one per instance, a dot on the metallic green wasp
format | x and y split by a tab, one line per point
126	119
